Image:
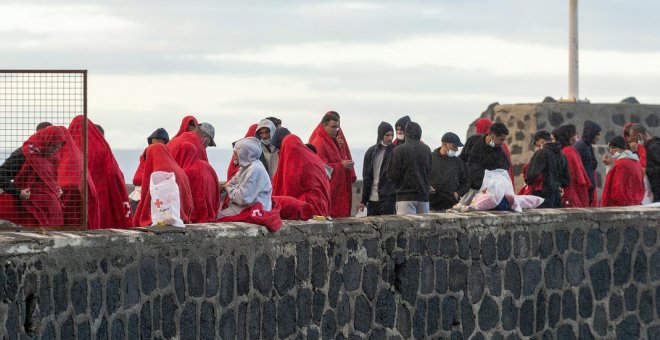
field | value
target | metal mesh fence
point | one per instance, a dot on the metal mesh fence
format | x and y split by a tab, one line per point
41	176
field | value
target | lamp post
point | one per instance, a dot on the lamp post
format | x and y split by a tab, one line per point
573	61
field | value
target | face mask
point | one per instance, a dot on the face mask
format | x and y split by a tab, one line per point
491	143
400	136
265	142
451	153
616	155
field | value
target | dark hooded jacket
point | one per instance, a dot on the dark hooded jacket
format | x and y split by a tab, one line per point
551	165
402	122
386	188
448	175
160	133
484	157
410	167
586	150
653	166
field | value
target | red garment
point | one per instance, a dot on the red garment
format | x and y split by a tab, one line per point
255	214
332	152
137	178
190	137
301	174
184	125
624	184
293	209
233	168
69	178
482	125
204	184
641	152
39	174
505	148
160	159
528	189
576	195
115	211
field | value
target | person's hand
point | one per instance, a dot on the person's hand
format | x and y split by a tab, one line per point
25	195
561	191
456	196
607	159
347	164
59	192
226	186
431	190
360	206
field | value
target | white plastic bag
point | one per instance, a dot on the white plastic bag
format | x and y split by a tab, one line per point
165	200
135	195
498	183
521	202
648	193
362	213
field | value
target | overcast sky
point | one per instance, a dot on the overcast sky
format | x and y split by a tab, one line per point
232	63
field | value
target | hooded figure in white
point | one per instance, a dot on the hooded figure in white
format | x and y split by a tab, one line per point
252	183
271	155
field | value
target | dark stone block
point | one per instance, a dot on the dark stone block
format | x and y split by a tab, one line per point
654	270
352	274
475	247
371	246
11	323
179	284
463	241
363	314
476	282
242	276
619	119
494	280
513	336
531	276
60	291
561	239
113	297
188	321
600	320
566	332
467	317
45	299
269	320
554	273
600	279
540	311
489	314
328	325
318	305
554	309
207	321
370	280
351	244
389	245
131	287
212	280
613	238
630	297
616	306
313	333
504	246
49	332
79	296
84	331
649	236
407	279
512	278
286	316
556	118
458	274
449	312
509	314
628	328
101	332
652	121
333	291
377	334
497	336
254	321
545	244
586	302
657	300
622	267
594	243
403	321
577	240
402	241
284	268
385	308
441	276
145	320
320	265
646	307
433	245
262	275
388	274
488	250
520	135
448	247
133	327
156	316
630	237
227	325
521	244
527	318
226	295
585	332
304	301
640	267
417	246
654	332
419	326
164	271
427	284
569	305
574	269
343	311
148	274
11	279
116	332
168	308
95	297
432	315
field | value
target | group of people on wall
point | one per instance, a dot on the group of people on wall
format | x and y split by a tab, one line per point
273	175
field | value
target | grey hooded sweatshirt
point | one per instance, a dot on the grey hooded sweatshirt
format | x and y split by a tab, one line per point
271	154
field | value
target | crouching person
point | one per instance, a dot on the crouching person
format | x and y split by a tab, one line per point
251	184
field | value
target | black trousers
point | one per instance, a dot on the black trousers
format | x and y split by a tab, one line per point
386	207
552	199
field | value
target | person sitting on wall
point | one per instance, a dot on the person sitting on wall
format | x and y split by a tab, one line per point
549	164
204	184
188	123
482	127
624	184
201	137
576	194
159	136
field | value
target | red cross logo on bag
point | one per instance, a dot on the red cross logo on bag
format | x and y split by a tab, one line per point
256	212
158	203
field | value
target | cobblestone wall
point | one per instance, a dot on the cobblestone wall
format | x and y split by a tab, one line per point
552	274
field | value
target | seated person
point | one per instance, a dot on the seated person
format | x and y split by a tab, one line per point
204	184
624	184
251	184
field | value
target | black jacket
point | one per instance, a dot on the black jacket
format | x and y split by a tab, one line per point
410	167
484	157
586	151
448	175
549	163
469	143
386	188
9	169
653	166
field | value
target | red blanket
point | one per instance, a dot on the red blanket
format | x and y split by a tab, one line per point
624	184
301	174
255	214
184	125
576	195
114	209
204	184
69	178
189	137
293	209
137	178
159	159
529	189
233	168
333	152
505	148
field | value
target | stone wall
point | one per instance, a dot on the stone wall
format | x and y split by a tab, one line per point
547	273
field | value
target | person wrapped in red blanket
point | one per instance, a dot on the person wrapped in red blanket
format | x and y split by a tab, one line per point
624	184
187	124
333	150
159	136
201	137
576	194
301	174
160	159
204	184
33	197
114	207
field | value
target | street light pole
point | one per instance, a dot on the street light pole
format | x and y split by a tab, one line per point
573	61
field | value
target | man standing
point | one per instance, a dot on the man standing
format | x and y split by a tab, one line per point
624	184
590	135
270	155
449	177
548	167
378	192
486	154
652	145
333	151
409	170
